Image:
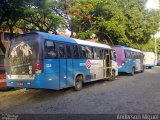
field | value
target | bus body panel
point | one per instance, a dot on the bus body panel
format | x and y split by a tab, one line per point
63	73
51	72
115	67
79	67
69	72
120	55
90	69
127	66
40	81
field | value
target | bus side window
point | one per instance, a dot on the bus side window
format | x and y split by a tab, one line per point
106	54
61	50
129	54
101	53
96	53
82	52
50	50
69	52
92	52
113	55
88	52
75	51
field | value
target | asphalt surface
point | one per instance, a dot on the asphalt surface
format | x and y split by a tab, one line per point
136	94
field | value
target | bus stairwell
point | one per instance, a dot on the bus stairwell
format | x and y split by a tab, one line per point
107	64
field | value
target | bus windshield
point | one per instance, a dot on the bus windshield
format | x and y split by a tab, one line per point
23	52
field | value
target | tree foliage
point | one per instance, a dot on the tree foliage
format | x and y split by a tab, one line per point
40	16
10	12
125	22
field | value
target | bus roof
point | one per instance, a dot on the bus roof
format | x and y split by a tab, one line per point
128	48
145	52
71	40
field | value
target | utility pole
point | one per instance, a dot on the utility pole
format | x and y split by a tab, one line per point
155	48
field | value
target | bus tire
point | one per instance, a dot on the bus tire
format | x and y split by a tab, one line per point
78	83
133	70
113	76
150	67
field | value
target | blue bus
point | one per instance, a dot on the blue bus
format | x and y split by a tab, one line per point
42	60
129	60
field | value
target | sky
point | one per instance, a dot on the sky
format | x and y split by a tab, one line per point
152	4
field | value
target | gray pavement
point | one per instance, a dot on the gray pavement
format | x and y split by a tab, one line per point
127	94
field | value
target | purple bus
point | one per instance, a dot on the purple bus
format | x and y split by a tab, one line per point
129	60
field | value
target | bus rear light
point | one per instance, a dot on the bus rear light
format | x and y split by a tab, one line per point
38	68
2	76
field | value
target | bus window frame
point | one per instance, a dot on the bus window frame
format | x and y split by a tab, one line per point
77	47
45	51
82	53
71	53
113	55
58	50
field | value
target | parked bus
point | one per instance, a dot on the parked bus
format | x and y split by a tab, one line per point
149	59
42	60
2	70
129	60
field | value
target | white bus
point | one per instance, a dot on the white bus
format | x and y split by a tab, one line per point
149	59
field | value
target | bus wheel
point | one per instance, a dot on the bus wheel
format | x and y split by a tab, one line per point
150	67
113	76
133	70
78	83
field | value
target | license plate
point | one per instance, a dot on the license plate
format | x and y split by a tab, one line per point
19	77
20	83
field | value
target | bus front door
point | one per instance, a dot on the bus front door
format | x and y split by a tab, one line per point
106	64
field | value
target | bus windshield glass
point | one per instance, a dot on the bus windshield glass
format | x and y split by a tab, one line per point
23	53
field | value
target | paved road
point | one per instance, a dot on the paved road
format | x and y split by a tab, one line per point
127	94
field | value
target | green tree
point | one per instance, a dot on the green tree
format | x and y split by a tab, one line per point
142	23
10	12
125	22
40	16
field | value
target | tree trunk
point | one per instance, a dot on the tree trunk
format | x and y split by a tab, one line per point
11	31
2	47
